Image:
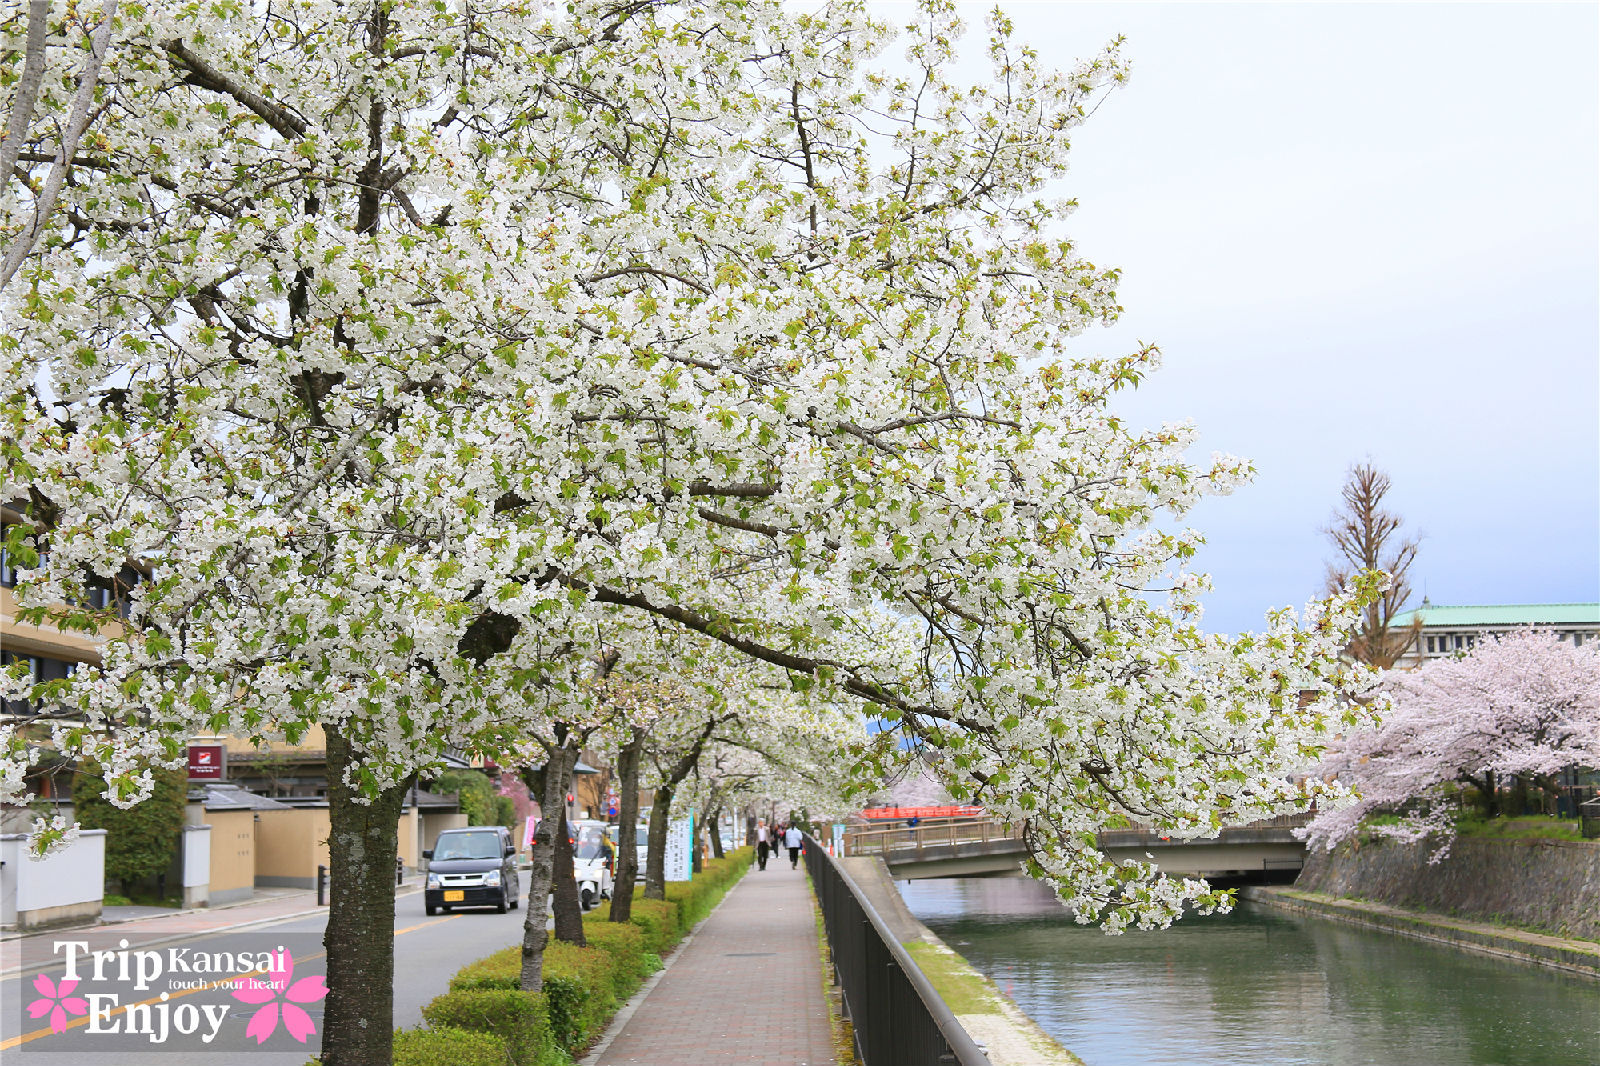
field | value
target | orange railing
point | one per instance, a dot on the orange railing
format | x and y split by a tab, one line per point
882	813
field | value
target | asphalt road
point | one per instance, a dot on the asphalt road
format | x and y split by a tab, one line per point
428	951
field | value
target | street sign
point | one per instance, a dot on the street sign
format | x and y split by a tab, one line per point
206	762
611	812
679	864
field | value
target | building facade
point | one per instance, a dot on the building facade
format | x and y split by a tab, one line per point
1454	630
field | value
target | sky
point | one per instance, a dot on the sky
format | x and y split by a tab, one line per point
1357	232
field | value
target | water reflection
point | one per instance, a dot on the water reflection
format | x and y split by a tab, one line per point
1258	986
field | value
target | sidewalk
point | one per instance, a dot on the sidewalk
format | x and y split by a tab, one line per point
746	988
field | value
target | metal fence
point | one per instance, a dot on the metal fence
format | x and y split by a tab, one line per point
898	1017
1589	819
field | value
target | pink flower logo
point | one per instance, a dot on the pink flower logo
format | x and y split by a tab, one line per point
266	991
56	1001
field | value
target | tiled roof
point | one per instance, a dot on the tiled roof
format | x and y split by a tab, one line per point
225	797
1516	614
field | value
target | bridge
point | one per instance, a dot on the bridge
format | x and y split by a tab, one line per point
981	847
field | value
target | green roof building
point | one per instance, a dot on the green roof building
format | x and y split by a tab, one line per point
1452	630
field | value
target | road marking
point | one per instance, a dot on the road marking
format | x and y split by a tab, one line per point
424	925
17	1041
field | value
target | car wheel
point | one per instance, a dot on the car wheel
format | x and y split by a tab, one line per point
587	899
431	909
502	906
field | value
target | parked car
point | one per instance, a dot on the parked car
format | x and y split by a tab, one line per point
474	867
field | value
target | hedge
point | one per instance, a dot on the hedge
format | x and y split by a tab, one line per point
518	1018
584	986
459	1047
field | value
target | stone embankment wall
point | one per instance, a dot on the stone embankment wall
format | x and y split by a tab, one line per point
1551	885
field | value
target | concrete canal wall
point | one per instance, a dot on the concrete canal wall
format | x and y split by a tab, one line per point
1007	1036
1549	885
1573	956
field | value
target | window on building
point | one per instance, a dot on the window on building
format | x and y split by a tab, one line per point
8	571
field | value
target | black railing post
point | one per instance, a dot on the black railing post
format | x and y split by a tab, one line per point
898	1017
322	886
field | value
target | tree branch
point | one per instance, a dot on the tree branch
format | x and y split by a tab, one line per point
205	76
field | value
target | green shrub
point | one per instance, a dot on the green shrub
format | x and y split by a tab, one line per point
142	840
658	920
567	1001
518	1018
459	1047
503	969
624	944
476	793
593	970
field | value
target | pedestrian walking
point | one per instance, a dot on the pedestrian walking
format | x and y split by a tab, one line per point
792	841
763	844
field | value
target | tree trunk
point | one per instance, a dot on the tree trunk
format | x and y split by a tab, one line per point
712	818
568	906
552	828
655	881
363	841
655	860
627	828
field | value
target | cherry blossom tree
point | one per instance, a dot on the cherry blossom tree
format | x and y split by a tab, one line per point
431	354
1525	703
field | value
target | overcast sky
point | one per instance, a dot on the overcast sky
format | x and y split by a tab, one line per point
1358	231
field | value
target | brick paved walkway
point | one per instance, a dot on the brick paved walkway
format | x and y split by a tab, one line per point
747	989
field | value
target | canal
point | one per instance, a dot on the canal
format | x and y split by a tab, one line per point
1258	986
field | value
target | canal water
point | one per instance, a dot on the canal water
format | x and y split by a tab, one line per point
1258	987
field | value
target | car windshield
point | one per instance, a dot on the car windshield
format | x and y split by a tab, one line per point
589	849
467	846
644	836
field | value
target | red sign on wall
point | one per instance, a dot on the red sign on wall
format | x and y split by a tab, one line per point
205	762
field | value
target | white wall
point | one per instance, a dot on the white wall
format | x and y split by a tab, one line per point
74	875
196	855
196	865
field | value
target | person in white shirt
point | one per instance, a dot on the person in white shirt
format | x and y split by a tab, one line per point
763	844
791	840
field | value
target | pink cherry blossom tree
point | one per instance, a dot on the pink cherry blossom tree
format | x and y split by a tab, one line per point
1523	704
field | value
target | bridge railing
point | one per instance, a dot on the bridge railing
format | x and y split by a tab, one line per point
873	840
898	1017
